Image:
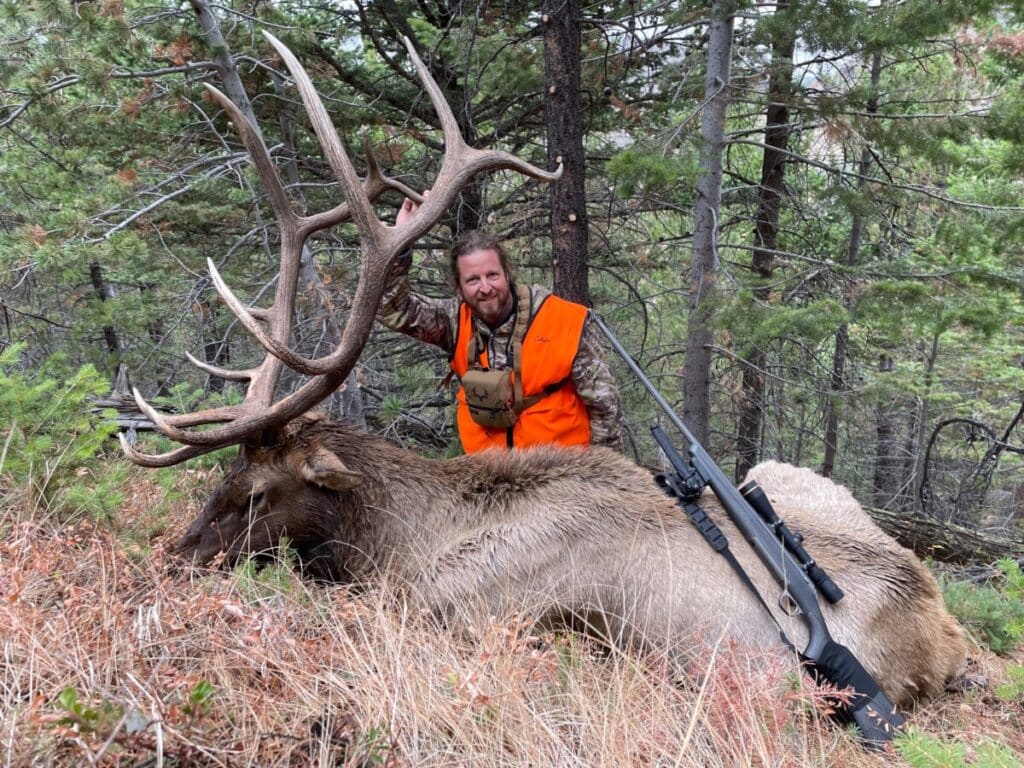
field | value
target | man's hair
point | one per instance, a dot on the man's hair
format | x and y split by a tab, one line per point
477	240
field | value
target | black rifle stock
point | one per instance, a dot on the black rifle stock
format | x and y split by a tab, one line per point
869	707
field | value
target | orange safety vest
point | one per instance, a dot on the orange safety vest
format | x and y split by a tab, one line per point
548	349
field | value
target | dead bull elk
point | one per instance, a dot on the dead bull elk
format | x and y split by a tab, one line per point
575	532
561	532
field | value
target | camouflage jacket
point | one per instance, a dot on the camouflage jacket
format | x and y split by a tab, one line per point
435	321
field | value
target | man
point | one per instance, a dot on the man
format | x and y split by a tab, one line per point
530	365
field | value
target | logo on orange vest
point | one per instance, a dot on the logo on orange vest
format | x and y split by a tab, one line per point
542	338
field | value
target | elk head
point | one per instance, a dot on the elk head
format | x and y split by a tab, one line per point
259	418
287	491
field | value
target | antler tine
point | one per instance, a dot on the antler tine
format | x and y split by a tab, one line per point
389	183
171	425
260	157
374	184
449	125
337	158
169	459
470	160
377	182
280	350
222	373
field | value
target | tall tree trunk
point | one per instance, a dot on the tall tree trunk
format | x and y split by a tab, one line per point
226	67
836	385
887	464
837	378
105	292
697	372
569	229
469	210
157	335
919	433
766	232
216	350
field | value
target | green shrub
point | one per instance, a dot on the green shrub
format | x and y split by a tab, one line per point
993	613
1012	690
50	440
86	717
269	574
923	751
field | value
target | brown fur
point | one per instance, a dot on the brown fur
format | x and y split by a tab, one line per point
574	532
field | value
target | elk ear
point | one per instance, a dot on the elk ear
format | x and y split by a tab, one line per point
323	467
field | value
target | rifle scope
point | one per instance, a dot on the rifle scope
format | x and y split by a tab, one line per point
757	499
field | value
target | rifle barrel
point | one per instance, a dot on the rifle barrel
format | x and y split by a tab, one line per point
639	373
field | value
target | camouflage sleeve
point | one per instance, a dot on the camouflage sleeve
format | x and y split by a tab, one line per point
596	387
431	320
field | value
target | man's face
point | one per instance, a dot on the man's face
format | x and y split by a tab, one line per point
483	285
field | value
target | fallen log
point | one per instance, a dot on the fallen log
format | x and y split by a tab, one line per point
947	542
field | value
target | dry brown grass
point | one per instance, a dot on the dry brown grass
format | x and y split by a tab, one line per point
306	674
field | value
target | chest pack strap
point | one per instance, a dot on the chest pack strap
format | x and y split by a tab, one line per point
523	312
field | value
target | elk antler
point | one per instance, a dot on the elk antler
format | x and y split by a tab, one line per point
380	245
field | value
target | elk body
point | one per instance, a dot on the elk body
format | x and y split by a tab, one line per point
580	533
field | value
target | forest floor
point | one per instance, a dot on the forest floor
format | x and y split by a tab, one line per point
114	654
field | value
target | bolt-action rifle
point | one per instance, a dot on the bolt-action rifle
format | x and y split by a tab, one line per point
782	553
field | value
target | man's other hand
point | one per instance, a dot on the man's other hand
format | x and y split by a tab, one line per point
408	209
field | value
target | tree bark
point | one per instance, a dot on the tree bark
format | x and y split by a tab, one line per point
766	232
919	432
226	67
836	385
697	372
569	226
216	350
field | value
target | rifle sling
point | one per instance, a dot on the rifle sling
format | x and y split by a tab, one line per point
714	536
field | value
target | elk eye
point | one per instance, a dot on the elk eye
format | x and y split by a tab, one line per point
256	499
